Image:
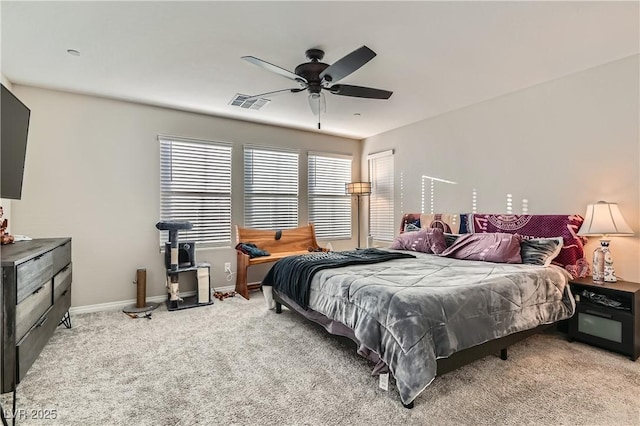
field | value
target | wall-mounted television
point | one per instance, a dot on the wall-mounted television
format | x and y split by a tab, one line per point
14	121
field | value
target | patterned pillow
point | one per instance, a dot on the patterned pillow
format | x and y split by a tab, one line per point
410	219
489	247
450	238
424	240
540	251
410	227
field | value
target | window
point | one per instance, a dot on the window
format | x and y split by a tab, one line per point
329	206
270	188
195	186
381	222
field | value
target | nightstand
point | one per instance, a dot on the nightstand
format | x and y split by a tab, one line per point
598	322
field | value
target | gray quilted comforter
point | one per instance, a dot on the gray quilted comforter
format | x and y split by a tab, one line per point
413	311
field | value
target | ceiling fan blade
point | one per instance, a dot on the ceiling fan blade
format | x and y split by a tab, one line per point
359	91
348	64
274	68
317	103
276	92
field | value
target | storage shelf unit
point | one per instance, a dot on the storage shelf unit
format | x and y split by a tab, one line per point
203	292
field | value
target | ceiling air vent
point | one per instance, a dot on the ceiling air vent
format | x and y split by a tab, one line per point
248	102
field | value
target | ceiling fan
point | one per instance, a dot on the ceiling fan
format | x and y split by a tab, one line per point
315	76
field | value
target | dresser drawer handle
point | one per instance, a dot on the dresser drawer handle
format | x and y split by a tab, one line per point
39	288
64	269
38	257
64	293
598	314
42	321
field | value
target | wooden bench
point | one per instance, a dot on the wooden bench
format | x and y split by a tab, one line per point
292	242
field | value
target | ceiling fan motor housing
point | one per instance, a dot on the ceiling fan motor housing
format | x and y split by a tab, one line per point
310	71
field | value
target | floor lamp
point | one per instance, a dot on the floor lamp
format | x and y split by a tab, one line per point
358	189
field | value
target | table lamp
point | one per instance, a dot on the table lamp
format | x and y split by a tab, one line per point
604	219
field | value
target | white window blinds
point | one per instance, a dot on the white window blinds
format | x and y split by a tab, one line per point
381	207
329	206
195	186
270	188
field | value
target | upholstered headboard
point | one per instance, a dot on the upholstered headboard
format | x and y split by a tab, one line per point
571	257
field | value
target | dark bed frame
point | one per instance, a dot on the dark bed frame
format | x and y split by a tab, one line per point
457	359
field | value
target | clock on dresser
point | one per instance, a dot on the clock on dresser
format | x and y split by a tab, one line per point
607	315
35	299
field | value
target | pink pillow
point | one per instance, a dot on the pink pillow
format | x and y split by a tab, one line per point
430	240
489	247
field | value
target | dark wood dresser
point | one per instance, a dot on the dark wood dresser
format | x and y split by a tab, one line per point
35	298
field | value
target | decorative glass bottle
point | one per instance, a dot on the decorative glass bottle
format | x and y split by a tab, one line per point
598	261
609	273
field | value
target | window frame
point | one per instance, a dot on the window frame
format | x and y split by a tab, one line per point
382	198
330	208
216	231
278	207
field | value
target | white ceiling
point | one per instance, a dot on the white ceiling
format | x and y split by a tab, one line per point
435	56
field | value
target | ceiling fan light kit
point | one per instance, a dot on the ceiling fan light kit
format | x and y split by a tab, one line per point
315	76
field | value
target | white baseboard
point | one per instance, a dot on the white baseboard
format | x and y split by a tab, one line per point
117	306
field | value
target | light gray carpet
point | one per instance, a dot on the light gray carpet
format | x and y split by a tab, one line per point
236	363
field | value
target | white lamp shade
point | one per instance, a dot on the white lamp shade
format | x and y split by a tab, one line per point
358	188
603	218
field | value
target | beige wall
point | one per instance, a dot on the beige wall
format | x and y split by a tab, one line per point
92	173
5	81
560	145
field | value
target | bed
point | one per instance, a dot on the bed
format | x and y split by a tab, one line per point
422	314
